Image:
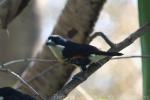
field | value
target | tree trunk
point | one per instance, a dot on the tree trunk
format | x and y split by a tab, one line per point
76	23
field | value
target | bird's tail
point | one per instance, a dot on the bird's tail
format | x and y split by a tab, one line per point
110	53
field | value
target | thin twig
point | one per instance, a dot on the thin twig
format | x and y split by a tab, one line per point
43	72
81	77
128	57
48	60
22	81
3	68
27	60
37	76
115	58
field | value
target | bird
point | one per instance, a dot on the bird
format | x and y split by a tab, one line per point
78	54
8	93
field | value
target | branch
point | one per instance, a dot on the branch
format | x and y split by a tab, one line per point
47	60
43	72
4	69
128	57
28	60
49	68
82	76
110	43
22	81
37	76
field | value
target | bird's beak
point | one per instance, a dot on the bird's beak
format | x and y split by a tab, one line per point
50	43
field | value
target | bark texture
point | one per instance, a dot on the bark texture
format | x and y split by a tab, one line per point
76	23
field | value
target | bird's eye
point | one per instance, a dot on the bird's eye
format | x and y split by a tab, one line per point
49	38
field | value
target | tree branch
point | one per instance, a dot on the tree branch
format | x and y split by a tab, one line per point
110	43
28	60
82	76
49	68
134	56
4	69
22	81
36	77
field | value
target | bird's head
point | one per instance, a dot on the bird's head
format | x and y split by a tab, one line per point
55	40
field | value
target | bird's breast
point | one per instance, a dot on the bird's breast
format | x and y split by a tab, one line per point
57	51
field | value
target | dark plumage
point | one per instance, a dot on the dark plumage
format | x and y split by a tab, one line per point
75	53
8	93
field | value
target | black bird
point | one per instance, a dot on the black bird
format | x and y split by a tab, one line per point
78	54
8	93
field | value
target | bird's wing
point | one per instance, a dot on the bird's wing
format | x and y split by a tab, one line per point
74	50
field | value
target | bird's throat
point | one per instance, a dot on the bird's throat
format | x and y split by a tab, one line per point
57	52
